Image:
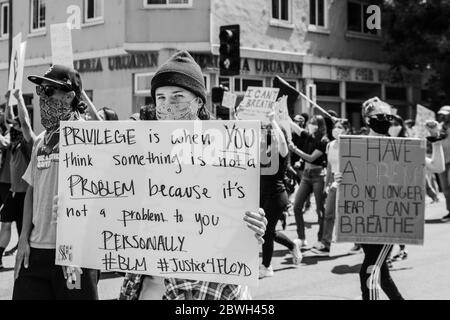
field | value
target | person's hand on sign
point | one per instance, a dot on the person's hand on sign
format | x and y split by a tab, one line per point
292	148
56	208
338	178
258	223
22	257
71	273
7	95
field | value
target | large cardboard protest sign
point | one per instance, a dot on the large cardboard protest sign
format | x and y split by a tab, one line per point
160	198
282	116
257	104
423	114
382	197
61	39
16	67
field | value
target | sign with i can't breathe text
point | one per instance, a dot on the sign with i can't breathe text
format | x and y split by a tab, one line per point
160	198
382	197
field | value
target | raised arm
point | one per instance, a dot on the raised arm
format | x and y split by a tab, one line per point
279	137
24	117
91	108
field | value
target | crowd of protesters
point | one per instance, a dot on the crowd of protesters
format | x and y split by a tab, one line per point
308	167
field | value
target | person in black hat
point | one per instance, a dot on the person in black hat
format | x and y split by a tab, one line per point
36	275
179	92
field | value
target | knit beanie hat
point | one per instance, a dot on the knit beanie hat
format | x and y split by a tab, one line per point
180	70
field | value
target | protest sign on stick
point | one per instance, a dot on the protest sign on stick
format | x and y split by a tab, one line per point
162	198
229	100
423	115
282	116
61	38
16	67
257	104
382	197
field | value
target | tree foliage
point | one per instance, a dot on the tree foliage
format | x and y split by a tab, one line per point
417	37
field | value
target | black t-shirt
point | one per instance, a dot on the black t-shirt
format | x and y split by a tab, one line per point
308	144
274	184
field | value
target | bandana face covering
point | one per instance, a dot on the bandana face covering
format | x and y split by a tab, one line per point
53	112
178	111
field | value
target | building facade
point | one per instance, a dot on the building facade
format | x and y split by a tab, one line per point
121	43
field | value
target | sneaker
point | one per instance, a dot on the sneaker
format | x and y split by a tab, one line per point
301	243
402	255
296	254
319	246
355	250
446	218
265	272
324	252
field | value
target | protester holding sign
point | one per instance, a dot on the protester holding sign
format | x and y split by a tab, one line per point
378	116
313	179
36	275
180	94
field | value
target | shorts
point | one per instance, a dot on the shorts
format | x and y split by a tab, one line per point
13	208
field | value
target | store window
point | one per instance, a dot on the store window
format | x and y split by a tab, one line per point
293	83
362	91
318	13
327	88
163	4
37	11
357	17
281	10
4	19
242	84
396	94
93	11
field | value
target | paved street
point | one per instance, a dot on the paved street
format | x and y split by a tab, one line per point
424	275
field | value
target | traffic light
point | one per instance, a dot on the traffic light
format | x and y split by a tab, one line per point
230	50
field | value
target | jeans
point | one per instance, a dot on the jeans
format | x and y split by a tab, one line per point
330	217
313	181
43	280
371	254
444	179
274	206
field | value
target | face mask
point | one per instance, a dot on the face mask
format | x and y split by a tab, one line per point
395	131
337	132
380	126
312	128
178	111
53	112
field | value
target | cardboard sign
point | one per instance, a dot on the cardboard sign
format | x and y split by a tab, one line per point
16	67
282	116
61	37
382	197
257	104
423	114
229	100
160	198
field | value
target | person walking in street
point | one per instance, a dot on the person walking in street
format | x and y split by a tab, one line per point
313	179
36	275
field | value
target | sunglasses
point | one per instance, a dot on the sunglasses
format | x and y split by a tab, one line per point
48	90
383	117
